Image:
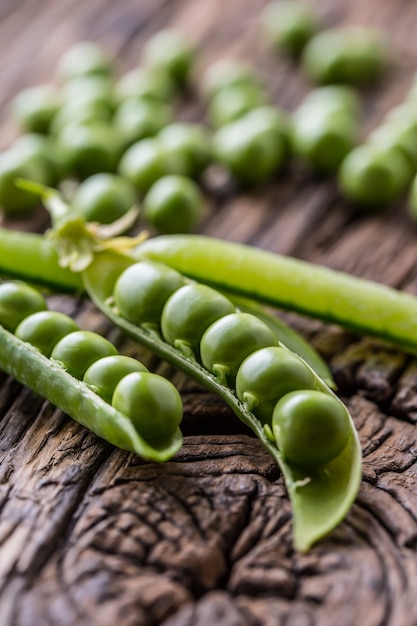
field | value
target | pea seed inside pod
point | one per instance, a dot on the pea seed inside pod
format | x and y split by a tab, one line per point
311	428
151	402
269	374
44	329
17	301
189	312
229	340
142	289
104	375
78	350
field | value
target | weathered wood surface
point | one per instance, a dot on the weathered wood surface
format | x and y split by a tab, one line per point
90	535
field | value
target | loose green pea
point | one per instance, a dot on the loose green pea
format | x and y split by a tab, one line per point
90	87
146	83
251	154
190	144
289	25
267	375
271	120
39	149
351	55
78	350
323	140
15	164
188	313
151	402
35	107
81	111
331	99
104	375
142	289
44	329
104	198
89	149
137	119
227	73
406	112
17	301
172	51
232	102
400	135
84	58
174	204
373	178
145	162
311	427
229	340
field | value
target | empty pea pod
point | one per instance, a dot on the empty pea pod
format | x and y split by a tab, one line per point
157	441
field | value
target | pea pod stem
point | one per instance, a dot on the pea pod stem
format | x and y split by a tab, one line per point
320	497
357	304
28	366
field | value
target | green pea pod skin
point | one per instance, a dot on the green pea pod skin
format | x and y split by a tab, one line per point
28	366
361	305
321	497
31	257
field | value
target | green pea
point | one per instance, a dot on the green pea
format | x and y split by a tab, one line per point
89	149
373	178
146	83
44	329
17	301
400	135
229	340
81	111
15	164
251	154
151	402
332	99
227	73
84	58
323	140
137	119
35	107
406	112
267	375
39	149
89	87
104	198
190	144
142	289
144	163
172	51
174	204
188	313
351	55
78	350
232	102
311	427
289	25
104	375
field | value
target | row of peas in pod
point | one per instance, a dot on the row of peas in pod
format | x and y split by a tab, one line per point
149	401
310	427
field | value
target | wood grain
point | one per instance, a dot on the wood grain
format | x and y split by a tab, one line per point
90	535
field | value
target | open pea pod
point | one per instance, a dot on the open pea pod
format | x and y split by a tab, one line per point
28	366
320	497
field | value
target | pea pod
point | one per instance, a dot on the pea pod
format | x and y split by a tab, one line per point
27	361
320	496
34	258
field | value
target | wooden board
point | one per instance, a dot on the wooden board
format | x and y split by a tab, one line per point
90	535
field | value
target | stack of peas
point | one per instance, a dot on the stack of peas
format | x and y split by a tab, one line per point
92	128
150	401
243	354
